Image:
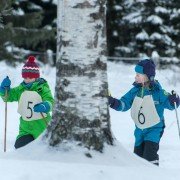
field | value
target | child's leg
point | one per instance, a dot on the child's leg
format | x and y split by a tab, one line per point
151	144
138	150
150	152
23	140
139	142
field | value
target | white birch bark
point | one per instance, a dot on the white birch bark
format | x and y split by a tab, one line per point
81	110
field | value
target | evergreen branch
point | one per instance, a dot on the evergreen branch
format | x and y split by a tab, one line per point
6	12
33	30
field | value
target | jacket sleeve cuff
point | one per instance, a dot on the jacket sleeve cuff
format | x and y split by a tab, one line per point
50	106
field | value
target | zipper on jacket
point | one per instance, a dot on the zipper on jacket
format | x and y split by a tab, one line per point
142	92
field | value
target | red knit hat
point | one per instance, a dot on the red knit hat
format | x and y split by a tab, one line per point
30	69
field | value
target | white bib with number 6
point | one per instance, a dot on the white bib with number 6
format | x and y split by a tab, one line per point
26	103
143	112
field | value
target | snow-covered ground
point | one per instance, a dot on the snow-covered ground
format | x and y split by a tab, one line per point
38	161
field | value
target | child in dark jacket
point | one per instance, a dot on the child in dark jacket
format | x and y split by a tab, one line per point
147	101
35	101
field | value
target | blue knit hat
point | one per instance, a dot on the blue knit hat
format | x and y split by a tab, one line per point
146	67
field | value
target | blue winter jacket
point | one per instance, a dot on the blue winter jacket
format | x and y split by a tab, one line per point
161	102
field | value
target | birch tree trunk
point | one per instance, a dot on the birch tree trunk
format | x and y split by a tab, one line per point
81	112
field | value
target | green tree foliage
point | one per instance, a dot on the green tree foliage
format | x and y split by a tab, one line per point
5	9
175	19
29	29
143	26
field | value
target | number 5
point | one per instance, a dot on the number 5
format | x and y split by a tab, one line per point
31	111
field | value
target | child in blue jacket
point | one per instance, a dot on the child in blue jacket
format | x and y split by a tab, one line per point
147	101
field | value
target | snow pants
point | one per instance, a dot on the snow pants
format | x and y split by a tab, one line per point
23	140
147	143
148	150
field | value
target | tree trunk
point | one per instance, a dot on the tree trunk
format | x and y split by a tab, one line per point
81	112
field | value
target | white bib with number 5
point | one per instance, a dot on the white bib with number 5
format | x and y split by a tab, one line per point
26	103
143	112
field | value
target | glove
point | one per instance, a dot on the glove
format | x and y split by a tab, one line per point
174	98
42	107
113	102
6	83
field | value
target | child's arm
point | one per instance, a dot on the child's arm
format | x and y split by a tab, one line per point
47	97
124	103
12	93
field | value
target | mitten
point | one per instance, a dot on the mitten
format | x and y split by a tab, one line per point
5	85
42	107
174	98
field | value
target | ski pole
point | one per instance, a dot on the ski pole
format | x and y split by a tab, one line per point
177	118
44	119
5	126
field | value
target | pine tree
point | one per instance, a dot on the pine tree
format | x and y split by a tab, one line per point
5	10
81	112
143	27
114	15
175	19
30	28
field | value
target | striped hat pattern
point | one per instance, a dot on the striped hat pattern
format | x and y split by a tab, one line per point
30	69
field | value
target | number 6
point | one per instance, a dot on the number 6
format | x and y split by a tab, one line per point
141	116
